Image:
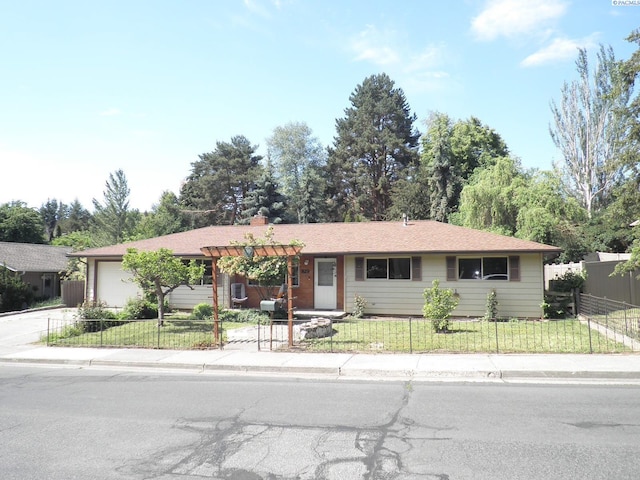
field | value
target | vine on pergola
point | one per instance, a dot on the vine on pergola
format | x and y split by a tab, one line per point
265	271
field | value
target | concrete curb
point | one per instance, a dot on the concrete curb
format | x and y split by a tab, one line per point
340	372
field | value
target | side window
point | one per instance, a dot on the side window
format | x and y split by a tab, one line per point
484	268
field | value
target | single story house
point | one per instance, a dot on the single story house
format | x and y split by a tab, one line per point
389	264
37	265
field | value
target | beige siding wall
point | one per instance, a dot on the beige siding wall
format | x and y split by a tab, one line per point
404	297
115	292
185	299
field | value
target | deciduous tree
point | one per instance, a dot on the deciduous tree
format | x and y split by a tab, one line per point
19	223
590	128
297	156
159	272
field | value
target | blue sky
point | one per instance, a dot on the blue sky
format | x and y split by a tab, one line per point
146	86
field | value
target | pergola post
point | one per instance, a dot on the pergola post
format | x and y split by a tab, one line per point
216	318
289	251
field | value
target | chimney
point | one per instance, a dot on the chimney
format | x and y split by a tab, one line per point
258	220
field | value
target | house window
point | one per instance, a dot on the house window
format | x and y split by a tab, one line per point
389	268
483	268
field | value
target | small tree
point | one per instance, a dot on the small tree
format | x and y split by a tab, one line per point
265	271
439	303
159	273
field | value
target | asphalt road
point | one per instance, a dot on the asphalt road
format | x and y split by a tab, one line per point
63	423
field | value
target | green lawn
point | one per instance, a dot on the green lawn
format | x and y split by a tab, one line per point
557	336
366	335
174	334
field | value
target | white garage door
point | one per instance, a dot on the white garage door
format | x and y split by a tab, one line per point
112	287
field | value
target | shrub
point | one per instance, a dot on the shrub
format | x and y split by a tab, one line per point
202	311
244	316
439	303
14	293
568	281
491	313
139	309
359	304
98	312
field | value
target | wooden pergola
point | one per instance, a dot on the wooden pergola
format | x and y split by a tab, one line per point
289	251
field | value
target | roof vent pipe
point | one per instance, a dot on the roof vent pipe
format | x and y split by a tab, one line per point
405	219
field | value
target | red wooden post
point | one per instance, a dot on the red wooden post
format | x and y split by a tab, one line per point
214	286
290	297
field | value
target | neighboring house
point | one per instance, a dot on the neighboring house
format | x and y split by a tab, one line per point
389	264
37	265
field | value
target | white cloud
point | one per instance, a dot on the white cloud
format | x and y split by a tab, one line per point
510	18
560	49
110	112
375	46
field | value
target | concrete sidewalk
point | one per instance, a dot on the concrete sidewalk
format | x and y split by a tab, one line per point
460	367
19	331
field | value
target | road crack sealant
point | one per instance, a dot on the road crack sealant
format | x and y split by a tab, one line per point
234	449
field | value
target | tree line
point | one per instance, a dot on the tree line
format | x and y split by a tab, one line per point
380	167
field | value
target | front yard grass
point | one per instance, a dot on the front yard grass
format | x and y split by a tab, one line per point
364	335
174	334
464	336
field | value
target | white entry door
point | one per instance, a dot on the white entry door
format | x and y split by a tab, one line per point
325	284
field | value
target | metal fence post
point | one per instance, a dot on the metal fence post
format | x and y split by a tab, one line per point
589	329
158	345
258	333
495	322
101	330
331	334
410	337
48	329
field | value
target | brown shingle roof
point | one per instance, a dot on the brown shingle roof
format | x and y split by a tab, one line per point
423	236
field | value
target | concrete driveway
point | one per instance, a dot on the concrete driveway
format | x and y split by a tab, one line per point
24	328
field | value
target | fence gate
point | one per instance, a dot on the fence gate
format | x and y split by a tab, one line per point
72	292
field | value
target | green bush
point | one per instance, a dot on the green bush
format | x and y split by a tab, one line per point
568	282
14	293
438	306
98	315
202	311
359	304
139	309
244	316
491	312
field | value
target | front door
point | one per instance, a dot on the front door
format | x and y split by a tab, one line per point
325	291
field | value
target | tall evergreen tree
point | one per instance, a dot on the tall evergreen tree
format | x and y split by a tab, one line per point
77	218
264	199
375	143
215	190
52	214
113	220
443	178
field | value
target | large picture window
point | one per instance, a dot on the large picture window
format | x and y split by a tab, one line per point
389	268
484	268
